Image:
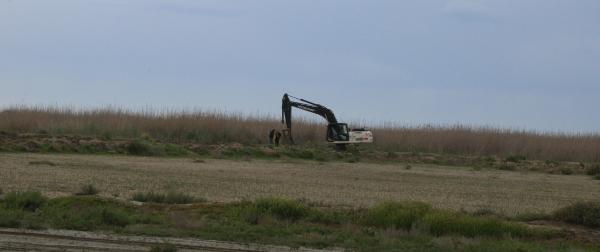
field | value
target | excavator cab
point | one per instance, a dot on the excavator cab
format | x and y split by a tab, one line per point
338	132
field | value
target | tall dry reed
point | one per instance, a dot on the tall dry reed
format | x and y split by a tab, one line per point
211	127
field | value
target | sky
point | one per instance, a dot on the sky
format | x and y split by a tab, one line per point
521	64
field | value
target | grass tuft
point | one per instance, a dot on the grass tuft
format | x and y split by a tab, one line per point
168	198
88	190
396	215
281	209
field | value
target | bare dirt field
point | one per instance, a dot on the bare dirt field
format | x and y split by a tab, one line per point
344	184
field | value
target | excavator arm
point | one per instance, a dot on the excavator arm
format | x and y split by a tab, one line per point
336	131
287	104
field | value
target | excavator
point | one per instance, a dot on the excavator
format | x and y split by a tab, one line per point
337	133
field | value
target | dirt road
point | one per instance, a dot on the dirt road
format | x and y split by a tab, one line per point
64	240
346	184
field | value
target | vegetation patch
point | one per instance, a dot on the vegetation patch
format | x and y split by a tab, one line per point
447	223
419	216
532	217
594	170
282	209
145	144
31	210
388	226
168	198
88	190
26	201
23	127
140	148
581	213
396	215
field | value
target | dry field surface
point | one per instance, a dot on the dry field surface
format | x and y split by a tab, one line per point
343	184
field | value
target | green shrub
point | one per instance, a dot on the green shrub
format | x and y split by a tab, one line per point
328	217
28	201
88	190
114	217
10	218
282	208
306	154
440	223
181	198
88	213
169	198
396	215
139	148
582	213
175	150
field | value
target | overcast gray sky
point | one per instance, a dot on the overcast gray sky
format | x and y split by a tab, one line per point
531	64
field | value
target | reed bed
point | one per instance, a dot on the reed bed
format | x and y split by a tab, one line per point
216	127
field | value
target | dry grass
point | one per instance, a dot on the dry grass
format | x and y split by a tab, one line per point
345	184
492	141
176	126
216	127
